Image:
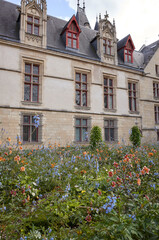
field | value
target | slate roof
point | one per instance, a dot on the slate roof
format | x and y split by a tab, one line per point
122	42
81	17
149	51
10	26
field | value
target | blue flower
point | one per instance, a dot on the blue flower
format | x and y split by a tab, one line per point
132	216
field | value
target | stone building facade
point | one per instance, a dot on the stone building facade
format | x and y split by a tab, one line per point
73	77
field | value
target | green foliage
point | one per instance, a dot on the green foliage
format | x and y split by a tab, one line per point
95	137
135	136
74	193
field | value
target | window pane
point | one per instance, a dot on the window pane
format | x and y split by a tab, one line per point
78	135
26	119
106	134
35	79
36	30
28	68
74	36
35	70
106	101
69	34
29	28
34	135
69	42
78	77
106	123
111	134
27	78
78	85
78	100
105	81
74	43
36	20
84	122
30	19
84	99
84	134
84	86
27	92
129	86
84	78
110	102
35	93
110	82
78	122
111	123
26	133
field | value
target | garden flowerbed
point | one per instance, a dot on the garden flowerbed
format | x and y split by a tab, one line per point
76	193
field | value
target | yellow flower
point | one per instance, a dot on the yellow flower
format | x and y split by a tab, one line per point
83	191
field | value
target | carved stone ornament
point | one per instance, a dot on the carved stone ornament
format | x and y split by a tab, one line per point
33	38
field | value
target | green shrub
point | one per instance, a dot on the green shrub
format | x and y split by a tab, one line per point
95	137
135	136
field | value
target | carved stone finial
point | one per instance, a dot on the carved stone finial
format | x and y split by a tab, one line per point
113	22
99	16
84	5
106	16
78	4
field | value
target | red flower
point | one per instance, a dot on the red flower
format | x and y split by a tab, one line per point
88	218
99	192
113	184
110	174
116	164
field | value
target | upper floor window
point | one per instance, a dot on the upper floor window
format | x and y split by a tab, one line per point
132	92
156	90
156	114
81	89
72	36
31	82
108	93
33	25
107	46
31	132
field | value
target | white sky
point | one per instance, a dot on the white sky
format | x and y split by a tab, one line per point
140	18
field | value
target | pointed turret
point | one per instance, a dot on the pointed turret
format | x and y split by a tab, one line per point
97	24
81	15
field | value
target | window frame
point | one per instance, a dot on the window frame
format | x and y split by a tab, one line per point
156	112
82	89
33	24
133	108
128	55
72	31
110	127
81	126
157	70
107	92
156	90
32	83
30	130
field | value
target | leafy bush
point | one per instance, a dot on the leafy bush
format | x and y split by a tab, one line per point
135	136
95	137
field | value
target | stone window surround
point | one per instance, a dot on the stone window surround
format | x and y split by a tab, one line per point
137	95
115	127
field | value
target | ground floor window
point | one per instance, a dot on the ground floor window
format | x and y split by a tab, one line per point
31	128
110	130
81	129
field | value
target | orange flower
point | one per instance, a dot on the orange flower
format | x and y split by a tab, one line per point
113	184
21	148
22	169
0	142
17	159
146	169
2	159
83	171
9	139
84	153
150	154
52	165
139	181
19	143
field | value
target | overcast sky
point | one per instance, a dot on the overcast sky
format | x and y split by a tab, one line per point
140	18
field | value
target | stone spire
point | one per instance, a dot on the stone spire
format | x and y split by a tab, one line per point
84	5
97	24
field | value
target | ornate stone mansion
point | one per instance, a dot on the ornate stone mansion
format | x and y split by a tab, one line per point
73	77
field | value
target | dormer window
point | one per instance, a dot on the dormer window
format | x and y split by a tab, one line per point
70	34
107	46
125	49
33	25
